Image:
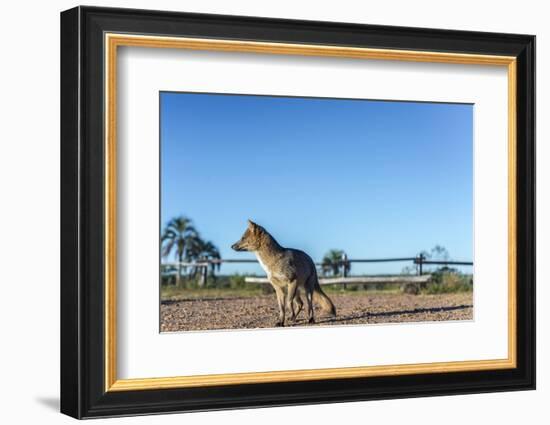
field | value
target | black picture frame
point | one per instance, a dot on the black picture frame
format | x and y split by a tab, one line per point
83	392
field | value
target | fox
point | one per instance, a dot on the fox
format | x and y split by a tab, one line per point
287	269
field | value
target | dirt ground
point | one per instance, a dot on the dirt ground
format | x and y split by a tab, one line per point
261	311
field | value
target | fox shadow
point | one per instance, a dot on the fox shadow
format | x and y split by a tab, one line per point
366	315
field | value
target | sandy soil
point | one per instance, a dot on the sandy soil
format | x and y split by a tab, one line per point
261	311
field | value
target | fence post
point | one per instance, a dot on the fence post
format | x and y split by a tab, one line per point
204	274
344	266
420	260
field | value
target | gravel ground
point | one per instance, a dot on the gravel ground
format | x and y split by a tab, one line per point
261	311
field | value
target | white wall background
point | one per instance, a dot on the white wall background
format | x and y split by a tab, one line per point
29	217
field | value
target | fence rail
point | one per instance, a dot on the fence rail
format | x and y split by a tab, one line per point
415	260
400	279
419	261
446	263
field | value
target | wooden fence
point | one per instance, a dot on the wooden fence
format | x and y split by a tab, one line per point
420	261
397	279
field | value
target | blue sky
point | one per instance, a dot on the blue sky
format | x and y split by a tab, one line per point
374	178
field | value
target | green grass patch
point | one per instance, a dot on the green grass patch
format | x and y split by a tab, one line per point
226	286
175	293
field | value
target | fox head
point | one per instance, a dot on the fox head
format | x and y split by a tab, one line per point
251	238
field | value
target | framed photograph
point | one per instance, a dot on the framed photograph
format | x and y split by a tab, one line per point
261	212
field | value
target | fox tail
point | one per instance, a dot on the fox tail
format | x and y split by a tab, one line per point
324	300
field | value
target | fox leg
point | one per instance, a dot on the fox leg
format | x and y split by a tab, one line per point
298	304
291	294
309	299
281	301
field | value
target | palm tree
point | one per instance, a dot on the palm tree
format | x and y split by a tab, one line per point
177	237
201	251
332	263
211	252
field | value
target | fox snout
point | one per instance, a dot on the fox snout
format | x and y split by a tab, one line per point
237	247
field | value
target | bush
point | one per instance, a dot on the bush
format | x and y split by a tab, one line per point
237	281
449	282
